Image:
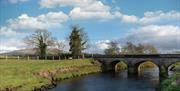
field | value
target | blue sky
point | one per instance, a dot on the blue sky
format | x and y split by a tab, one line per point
144	21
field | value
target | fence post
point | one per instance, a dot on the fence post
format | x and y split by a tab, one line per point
28	57
45	57
18	57
59	58
53	57
37	57
6	57
83	56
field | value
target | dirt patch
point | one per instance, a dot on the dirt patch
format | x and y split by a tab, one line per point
52	73
11	88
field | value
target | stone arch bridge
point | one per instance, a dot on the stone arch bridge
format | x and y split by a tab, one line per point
163	61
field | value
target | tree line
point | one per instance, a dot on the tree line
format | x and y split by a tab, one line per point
130	48
41	40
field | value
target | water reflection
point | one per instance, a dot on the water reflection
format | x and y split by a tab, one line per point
149	73
121	74
108	82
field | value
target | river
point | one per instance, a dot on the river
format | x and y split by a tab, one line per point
110	82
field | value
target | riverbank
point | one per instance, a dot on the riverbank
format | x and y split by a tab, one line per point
172	83
23	75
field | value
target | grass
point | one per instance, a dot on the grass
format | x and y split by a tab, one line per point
171	84
177	65
14	73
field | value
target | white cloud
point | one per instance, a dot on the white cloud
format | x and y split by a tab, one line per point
16	1
40	22
63	3
24	23
10	45
83	9
79	14
98	46
53	17
102	44
129	19
7	32
159	17
96	10
5	49
164	37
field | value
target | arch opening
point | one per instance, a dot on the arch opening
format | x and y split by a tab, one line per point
120	66
173	69
147	69
120	69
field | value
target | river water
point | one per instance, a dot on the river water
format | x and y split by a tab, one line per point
111	82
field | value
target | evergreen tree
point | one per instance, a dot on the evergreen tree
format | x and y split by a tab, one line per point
78	40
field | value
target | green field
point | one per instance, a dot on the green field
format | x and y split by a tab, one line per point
24	75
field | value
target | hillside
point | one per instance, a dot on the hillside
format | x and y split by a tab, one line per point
31	51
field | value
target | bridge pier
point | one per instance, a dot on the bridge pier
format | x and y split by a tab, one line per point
105	66
163	71
131	70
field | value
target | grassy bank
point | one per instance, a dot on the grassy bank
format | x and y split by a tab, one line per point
172	83
177	66
26	75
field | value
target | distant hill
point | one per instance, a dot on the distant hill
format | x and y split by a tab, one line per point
31	51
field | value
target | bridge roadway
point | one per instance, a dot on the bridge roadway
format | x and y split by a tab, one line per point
163	61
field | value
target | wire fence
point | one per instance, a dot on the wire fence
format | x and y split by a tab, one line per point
32	58
37	57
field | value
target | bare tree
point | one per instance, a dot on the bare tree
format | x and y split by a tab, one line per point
131	48
150	49
113	49
40	39
61	46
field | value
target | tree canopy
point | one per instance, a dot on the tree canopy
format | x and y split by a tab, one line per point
113	49
77	41
40	39
131	48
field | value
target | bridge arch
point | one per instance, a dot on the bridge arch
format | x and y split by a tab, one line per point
121	66
139	66
171	68
104	65
113	64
